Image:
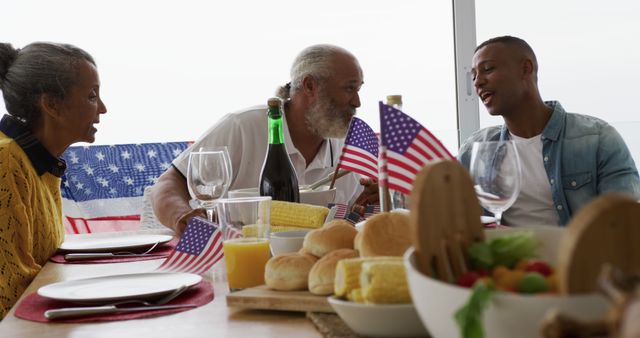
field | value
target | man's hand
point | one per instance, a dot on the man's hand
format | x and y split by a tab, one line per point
368	196
181	223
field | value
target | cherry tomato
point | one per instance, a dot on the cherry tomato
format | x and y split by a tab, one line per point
510	279
499	271
468	279
539	266
522	264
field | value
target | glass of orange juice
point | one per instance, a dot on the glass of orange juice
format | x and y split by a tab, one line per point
245	228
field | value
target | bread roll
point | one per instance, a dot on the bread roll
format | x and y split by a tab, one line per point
385	234
336	222
332	236
322	273
289	271
357	240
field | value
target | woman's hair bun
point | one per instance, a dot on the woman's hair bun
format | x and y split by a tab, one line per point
8	54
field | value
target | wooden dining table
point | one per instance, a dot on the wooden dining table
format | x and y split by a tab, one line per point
214	319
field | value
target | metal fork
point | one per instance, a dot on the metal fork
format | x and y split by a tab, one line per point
113	308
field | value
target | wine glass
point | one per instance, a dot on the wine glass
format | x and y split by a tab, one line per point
495	168
209	177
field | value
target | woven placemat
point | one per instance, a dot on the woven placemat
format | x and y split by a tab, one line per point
330	325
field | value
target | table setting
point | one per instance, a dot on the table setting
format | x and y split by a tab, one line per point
295	269
130	297
168	288
114	248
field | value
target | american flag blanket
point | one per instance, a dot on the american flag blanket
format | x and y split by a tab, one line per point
103	186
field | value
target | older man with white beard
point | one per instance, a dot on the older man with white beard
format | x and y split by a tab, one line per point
319	103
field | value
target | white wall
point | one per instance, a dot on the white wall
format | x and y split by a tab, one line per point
588	55
169	69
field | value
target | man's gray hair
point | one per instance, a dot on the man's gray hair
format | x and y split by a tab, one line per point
39	68
316	61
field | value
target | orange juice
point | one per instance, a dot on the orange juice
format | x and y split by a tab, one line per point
245	259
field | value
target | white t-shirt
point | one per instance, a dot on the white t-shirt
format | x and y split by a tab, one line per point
534	205
245	134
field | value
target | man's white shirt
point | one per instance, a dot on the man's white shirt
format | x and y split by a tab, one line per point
534	205
245	134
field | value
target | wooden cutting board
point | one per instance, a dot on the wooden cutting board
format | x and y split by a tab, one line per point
263	298
606	230
445	219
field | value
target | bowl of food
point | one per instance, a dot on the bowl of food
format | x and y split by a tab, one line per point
508	314
286	241
379	320
321	196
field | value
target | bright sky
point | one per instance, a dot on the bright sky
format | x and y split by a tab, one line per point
170	69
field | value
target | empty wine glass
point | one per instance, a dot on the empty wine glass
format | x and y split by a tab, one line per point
495	168
209	177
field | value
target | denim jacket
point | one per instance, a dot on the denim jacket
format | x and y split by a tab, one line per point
583	157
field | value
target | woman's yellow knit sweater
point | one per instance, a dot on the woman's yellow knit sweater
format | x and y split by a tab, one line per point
30	221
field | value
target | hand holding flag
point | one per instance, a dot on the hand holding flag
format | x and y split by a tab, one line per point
199	248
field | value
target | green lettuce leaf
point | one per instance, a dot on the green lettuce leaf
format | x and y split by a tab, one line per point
469	317
508	250
481	256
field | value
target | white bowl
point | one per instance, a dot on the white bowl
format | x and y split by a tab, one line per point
321	196
286	241
508	314
393	320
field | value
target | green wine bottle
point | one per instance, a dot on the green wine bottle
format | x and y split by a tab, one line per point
278	177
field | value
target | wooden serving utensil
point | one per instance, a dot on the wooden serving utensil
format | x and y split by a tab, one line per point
445	219
606	230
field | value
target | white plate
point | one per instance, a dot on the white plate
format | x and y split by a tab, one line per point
487	219
113	243
393	320
118	287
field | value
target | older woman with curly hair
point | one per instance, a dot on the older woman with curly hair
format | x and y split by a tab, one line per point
52	94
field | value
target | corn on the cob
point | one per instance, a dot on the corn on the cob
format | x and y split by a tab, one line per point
348	273
289	214
253	230
384	282
278	228
347	276
356	296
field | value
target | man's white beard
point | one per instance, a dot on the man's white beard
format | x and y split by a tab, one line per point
325	119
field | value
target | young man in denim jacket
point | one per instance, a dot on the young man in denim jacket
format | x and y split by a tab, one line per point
566	159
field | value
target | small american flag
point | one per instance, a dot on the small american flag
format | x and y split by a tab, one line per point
341	210
233	233
409	147
199	248
360	151
354	217
371	210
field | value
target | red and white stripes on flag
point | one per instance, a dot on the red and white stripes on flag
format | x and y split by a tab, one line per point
199	248
409	147
341	210
371	210
360	151
233	233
